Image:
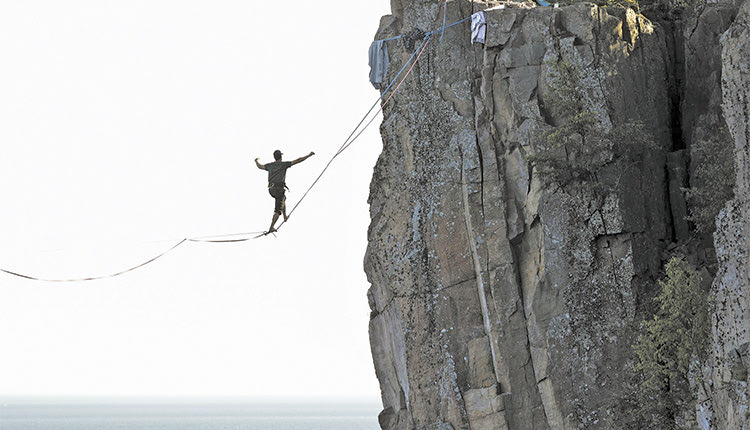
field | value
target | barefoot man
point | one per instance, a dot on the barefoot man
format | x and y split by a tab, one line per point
276	185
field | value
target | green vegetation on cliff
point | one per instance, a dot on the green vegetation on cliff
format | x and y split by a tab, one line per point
670	347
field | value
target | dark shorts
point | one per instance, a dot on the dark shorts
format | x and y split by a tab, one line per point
277	192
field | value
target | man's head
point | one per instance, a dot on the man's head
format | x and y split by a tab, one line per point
277	155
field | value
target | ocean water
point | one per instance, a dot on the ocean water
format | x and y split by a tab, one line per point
189	416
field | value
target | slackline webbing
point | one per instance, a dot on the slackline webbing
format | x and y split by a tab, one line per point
423	46
441	29
349	140
229	238
220	238
94	278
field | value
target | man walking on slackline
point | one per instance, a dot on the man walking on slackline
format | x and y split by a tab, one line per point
276	185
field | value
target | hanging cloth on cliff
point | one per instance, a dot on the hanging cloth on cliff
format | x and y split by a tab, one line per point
378	63
478	27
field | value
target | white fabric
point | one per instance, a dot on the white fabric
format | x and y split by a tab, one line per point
478	27
378	54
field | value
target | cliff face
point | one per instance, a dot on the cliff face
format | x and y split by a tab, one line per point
499	301
726	393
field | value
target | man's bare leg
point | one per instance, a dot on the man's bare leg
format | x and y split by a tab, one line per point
273	222
283	209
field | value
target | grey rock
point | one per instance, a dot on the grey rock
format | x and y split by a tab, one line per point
678	179
501	302
727	397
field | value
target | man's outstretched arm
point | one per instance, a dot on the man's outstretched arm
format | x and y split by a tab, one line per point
301	159
260	166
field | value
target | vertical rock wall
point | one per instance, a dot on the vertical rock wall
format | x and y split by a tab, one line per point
701	116
725	403
498	302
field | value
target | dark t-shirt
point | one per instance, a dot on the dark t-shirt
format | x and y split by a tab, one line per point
277	171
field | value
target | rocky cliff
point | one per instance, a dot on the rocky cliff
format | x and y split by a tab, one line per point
725	400
502	300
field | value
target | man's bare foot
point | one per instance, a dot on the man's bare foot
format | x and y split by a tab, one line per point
285	217
272	230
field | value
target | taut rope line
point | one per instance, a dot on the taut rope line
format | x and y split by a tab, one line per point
353	136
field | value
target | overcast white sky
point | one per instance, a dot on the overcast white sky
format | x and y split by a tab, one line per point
128	125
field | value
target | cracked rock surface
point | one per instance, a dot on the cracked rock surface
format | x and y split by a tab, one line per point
724	393
498	302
